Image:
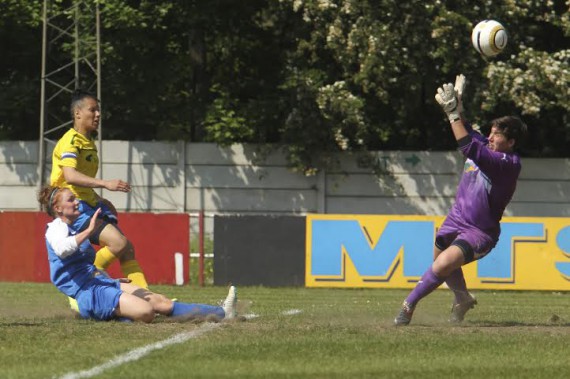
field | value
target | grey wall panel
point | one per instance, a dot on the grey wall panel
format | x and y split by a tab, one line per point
251	200
146	199
155	175
542	191
410	162
17	174
546	169
392	185
389	205
259	250
246	177
140	152
18	152
534	209
212	154
18	198
178	176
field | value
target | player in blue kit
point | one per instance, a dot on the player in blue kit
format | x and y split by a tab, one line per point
99	297
487	185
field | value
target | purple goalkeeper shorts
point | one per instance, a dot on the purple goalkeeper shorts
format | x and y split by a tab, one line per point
473	242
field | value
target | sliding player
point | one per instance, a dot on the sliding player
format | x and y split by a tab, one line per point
99	297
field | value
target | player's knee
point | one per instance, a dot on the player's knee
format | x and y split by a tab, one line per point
122	248
123	244
146	313
440	270
128	250
117	244
443	266
147	316
161	304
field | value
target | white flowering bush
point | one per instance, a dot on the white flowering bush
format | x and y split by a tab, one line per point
533	80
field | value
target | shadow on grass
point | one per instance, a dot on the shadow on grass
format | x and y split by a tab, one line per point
22	323
506	324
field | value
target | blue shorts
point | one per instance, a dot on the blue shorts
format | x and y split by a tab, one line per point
473	242
99	298
87	212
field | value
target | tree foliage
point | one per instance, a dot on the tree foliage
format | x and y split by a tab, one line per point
311	76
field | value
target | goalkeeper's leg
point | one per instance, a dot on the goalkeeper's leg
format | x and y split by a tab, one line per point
456	283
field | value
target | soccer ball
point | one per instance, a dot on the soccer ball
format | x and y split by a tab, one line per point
489	38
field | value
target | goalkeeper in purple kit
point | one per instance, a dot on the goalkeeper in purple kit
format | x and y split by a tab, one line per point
487	185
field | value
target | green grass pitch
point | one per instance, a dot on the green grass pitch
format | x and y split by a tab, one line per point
290	333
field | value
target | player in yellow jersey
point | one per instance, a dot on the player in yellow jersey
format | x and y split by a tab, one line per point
75	165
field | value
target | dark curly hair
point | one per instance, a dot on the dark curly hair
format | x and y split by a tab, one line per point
513	128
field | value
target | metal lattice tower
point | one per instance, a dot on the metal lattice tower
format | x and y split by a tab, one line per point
71	59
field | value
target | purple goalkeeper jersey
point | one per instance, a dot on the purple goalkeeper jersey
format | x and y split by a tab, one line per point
487	185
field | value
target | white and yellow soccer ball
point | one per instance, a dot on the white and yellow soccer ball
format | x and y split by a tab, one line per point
489	38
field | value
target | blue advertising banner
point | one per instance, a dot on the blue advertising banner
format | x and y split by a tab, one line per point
394	251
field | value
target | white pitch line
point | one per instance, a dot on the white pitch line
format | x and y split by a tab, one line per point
137	354
288	312
291	312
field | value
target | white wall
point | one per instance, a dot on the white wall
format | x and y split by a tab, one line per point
187	177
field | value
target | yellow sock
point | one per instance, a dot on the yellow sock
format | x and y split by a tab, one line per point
132	270
104	258
73	304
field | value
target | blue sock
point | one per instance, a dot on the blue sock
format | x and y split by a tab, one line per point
199	310
425	286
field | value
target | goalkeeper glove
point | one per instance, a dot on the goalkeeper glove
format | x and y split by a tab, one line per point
460	83
448	101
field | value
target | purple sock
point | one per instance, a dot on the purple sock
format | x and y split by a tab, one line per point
425	286
456	282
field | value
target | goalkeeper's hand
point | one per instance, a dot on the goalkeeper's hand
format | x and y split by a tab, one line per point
447	99
459	87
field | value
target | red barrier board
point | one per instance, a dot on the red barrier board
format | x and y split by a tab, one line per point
23	256
156	238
